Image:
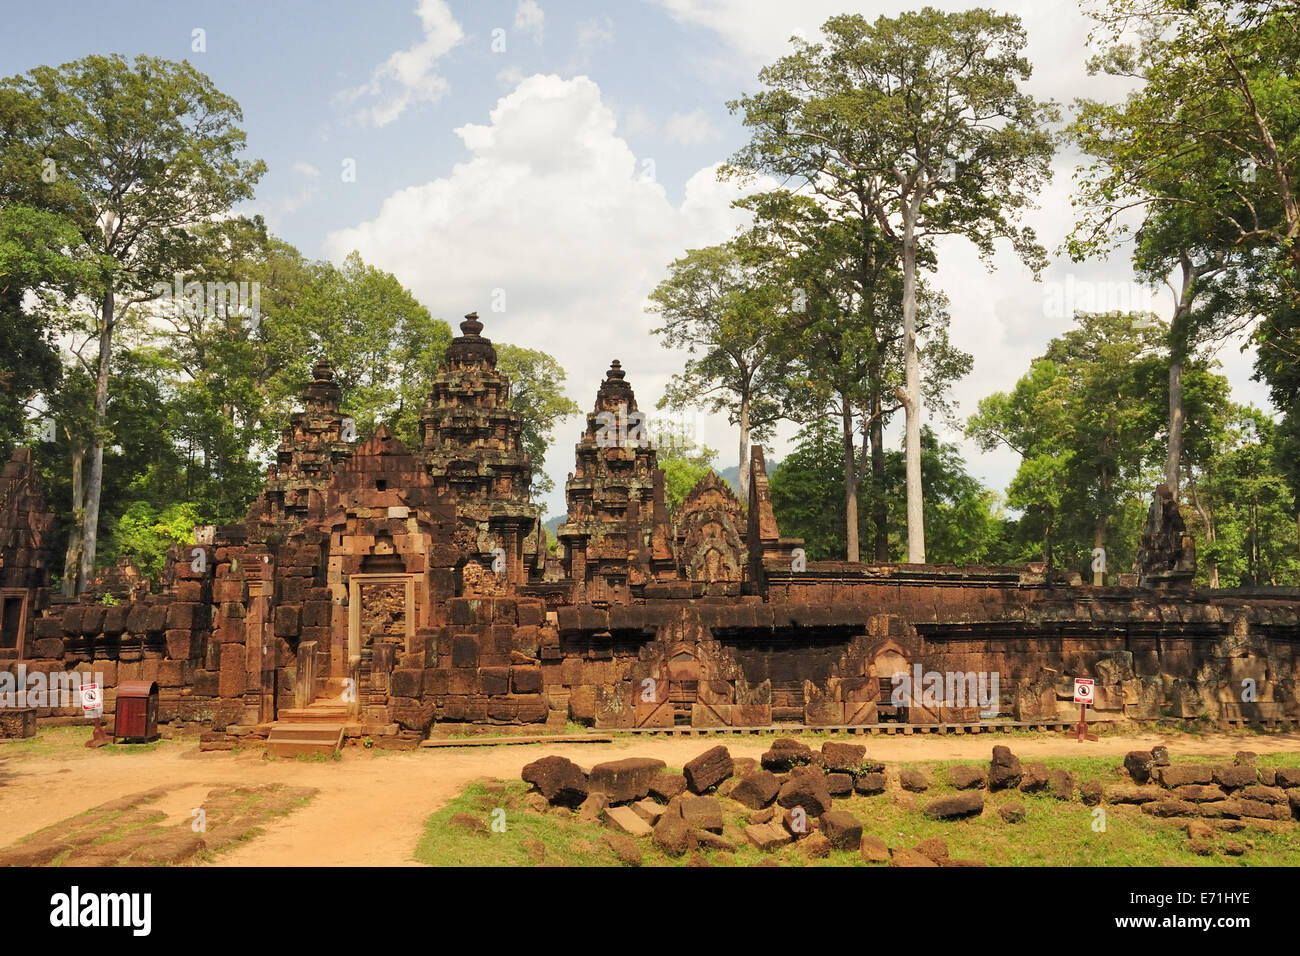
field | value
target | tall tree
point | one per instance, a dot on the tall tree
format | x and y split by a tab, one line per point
718	303
147	150
1214	108
916	123
840	338
1086	421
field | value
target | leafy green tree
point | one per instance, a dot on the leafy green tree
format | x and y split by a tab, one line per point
1086	421
718	304
684	463
144	151
1243	514
963	515
1212	125
841	341
915	123
144	533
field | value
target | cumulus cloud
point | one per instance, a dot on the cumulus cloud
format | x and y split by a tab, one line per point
409	76
552	217
530	20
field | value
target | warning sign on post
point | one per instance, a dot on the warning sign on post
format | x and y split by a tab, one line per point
92	703
1082	690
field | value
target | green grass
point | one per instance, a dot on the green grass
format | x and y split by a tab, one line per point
1054	832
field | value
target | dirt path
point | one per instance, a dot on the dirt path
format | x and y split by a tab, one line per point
372	806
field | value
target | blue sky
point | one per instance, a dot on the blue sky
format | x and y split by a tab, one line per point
552	158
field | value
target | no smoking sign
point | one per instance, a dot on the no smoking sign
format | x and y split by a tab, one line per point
1083	690
91	702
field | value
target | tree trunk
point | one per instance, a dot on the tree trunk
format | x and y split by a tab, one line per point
744	450
850	483
1172	461
1207	519
912	398
879	507
95	481
72	555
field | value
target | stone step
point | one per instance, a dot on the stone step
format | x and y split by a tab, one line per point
330	713
293	739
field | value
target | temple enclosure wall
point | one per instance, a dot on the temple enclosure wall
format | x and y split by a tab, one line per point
413	589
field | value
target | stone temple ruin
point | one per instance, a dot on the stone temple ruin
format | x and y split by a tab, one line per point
390	591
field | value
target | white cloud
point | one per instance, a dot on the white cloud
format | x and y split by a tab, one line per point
530	20
408	76
636	123
301	168
550	207
595	33
688	129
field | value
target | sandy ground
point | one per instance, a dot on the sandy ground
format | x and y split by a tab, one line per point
372	806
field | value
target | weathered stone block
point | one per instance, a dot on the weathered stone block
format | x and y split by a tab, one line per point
707	770
625	780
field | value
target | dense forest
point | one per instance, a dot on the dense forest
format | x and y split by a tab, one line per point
156	340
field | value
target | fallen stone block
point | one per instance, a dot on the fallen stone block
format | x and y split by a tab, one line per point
967	804
914	781
625	780
1035	778
757	790
702	813
767	836
1138	764
672	835
1061	784
816	847
558	779
664	785
593	808
936	848
809	792
786	752
842	829
1004	769
869	784
624	846
966	777
627	820
843	758
1199	793
1171	776
1170	808
713	841
707	770
839	784
647	809
873	849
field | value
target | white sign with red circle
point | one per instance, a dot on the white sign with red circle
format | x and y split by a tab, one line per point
1083	690
91	700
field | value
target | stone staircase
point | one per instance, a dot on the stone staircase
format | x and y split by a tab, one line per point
314	729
